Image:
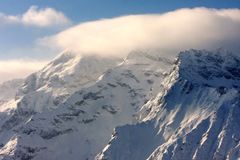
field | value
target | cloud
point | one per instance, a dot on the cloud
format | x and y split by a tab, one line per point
34	16
12	69
169	33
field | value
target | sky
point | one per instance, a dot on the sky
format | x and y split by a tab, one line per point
32	32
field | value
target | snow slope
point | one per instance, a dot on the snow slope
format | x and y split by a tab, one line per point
7	98
147	107
8	89
46	89
81	126
195	117
63	76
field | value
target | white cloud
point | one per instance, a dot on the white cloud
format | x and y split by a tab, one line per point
169	33
34	16
11	69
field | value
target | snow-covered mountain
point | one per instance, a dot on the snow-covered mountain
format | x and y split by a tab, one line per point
141	107
63	76
46	89
51	86
195	117
81	125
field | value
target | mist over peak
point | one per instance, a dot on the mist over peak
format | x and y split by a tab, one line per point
170	33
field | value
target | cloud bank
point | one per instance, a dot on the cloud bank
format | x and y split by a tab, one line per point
12	69
169	33
34	16
199	28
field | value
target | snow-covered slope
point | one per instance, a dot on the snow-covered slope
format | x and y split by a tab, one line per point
70	108
63	76
81	126
51	86
8	89
7	97
48	88
196	117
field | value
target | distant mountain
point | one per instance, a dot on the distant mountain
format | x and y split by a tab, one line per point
195	117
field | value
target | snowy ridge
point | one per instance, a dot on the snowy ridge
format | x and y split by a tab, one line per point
215	69
141	107
196	117
63	76
84	122
46	89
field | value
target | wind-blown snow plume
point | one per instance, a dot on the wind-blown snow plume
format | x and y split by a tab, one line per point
169	33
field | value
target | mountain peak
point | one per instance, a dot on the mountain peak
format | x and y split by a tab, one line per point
219	68
63	57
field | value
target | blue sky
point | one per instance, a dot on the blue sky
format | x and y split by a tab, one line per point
84	10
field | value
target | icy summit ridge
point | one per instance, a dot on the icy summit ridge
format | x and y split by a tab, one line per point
218	68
